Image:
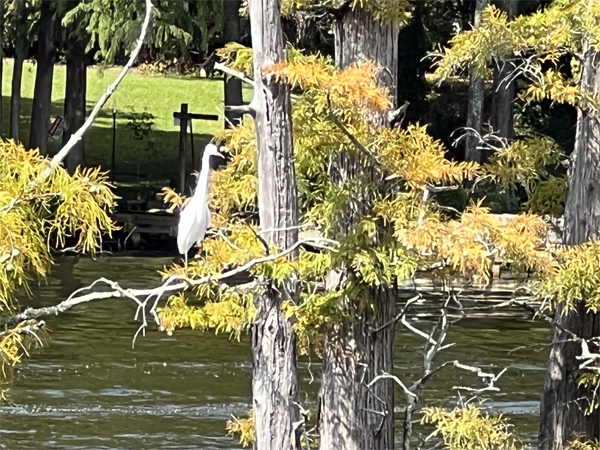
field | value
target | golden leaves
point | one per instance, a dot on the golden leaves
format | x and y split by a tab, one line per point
233	188
418	159
349	90
540	40
244	429
468	246
523	162
573	278
34	215
467	427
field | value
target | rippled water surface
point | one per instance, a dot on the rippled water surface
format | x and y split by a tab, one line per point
88	389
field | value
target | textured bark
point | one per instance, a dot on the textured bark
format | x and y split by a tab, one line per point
353	416
476	98
561	416
233	85
42	95
359	38
503	89
21	47
75	100
274	376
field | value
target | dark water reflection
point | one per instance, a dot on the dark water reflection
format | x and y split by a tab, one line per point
88	389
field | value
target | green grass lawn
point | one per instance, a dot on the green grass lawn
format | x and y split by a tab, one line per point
155	94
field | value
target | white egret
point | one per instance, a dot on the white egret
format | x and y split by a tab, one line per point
195	217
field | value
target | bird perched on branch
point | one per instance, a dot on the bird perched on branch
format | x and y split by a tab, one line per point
195	217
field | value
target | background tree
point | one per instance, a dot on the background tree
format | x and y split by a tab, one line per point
503	88
42	95
476	100
20	30
559	424
233	86
75	95
568	411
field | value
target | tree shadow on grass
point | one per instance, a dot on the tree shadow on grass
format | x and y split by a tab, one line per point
150	160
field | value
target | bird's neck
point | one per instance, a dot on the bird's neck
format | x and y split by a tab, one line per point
202	185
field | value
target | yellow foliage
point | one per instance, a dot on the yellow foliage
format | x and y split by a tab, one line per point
350	90
233	188
469	428
468	246
228	312
37	215
584	445
573	278
544	37
418	159
243	428
34	216
523	162
237	56
548	198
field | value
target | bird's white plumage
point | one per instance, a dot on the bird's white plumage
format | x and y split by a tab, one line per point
195	217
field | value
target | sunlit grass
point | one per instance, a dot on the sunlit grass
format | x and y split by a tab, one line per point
156	94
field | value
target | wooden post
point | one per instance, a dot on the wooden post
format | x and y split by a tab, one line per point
182	146
184	116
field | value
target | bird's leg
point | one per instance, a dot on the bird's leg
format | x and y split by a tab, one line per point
185	259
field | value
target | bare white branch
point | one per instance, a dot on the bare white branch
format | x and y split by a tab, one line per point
78	135
234	73
174	283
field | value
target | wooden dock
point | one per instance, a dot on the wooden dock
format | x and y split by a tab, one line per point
135	223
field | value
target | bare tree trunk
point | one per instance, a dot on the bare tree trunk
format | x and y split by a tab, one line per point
353	416
75	100
274	376
504	90
42	95
561	415
233	85
476	98
1	59
21	47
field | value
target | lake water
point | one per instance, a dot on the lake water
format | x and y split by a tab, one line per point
88	389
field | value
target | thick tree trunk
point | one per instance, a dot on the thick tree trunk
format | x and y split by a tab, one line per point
352	415
274	376
476	98
561	415
233	86
358	37
42	94
504	89
75	98
21	47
